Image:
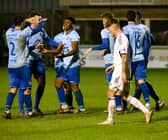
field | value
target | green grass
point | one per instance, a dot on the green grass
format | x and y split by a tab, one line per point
51	126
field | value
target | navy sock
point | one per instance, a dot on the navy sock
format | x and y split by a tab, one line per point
137	93
145	92
21	100
9	100
61	95
152	92
39	94
118	101
69	98
79	98
28	102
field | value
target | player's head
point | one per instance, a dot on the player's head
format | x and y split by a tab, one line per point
131	15
69	23
19	21
106	17
114	27
37	17
138	17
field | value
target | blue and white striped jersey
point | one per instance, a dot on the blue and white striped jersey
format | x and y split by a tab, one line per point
58	61
137	39
67	39
18	52
108	57
33	41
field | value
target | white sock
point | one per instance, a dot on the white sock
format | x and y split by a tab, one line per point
135	102
111	107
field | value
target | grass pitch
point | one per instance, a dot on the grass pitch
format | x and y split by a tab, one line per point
51	126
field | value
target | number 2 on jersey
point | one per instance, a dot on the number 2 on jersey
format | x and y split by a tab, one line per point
12	45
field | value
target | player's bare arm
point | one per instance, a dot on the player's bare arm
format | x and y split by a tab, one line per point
124	67
110	68
55	51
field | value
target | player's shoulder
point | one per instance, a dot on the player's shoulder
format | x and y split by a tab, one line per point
58	36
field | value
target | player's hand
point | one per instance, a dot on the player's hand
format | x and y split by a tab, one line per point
44	19
110	69
40	46
30	20
88	51
44	51
60	55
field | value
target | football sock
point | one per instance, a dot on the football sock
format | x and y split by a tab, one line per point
111	107
21	100
9	100
124	105
39	94
69	98
61	95
136	103
145	92
118	102
137	93
152	92
28	102
79	98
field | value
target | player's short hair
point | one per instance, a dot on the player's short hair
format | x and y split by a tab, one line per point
138	14
114	21
72	19
33	13
18	20
131	15
107	15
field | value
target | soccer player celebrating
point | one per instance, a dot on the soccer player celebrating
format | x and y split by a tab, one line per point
159	103
60	81
137	41
19	72
70	54
119	83
36	65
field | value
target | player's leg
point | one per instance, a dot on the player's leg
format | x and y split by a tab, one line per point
135	102
14	83
74	79
118	98
140	75
25	85
159	103
68	93
41	81
111	108
137	94
21	101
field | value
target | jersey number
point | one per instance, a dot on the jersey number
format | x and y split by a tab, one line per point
12	45
138	49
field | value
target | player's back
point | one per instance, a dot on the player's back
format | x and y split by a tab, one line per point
18	51
136	36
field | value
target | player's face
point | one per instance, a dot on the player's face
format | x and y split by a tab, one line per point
67	25
111	29
105	21
37	20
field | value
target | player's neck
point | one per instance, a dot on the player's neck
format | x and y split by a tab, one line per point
67	31
131	22
33	26
18	27
118	32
